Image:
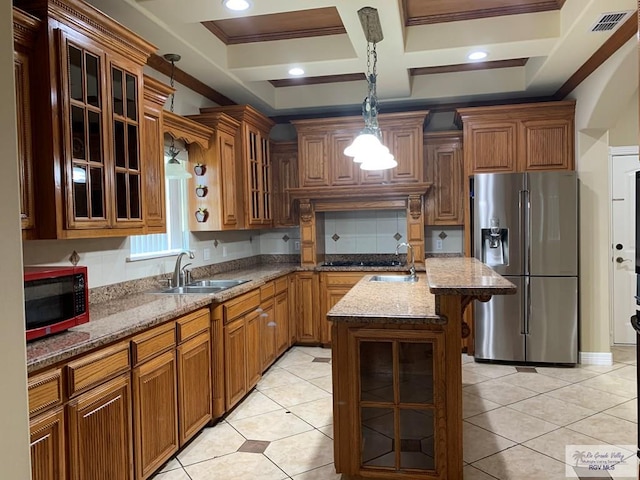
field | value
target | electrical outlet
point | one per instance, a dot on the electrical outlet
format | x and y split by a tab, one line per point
439	244
206	254
224	250
296	246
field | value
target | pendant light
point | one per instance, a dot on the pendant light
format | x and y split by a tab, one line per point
367	148
173	168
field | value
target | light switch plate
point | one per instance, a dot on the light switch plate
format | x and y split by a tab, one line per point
206	254
438	244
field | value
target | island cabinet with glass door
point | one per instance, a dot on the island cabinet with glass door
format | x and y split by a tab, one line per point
397	378
87	86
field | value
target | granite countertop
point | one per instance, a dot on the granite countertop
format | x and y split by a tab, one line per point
119	318
414	302
465	276
384	302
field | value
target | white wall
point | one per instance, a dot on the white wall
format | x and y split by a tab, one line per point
606	98
14	423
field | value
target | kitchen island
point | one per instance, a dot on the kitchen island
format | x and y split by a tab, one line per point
397	379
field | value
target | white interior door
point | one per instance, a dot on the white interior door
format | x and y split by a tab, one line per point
623	193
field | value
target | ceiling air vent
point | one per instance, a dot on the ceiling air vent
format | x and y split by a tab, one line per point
609	21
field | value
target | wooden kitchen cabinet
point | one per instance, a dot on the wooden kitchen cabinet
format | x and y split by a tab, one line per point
154	201
518	138
392	415
321	144
194	373
284	161
47	426
334	286
155	399
241	346
24	30
281	315
47	445
253	152
268	330
219	175
307	313
444	204
87	89
99	432
235	354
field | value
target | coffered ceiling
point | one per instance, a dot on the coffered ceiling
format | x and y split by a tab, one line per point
534	47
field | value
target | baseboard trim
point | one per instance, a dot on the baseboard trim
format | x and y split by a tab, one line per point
596	358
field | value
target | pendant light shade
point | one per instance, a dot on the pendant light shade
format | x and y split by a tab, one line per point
367	148
173	169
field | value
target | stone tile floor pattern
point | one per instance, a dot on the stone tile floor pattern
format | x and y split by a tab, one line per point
516	421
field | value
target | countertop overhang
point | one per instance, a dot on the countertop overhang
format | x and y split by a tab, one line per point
416	302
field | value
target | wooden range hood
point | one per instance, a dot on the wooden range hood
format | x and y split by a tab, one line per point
315	201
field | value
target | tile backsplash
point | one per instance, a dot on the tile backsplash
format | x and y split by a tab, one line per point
449	238
364	231
107	261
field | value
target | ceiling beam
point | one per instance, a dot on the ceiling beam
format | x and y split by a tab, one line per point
465	67
627	30
161	65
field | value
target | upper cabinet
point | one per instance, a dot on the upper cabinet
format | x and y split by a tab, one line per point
88	97
284	161
154	201
321	143
24	31
444	170
517	138
253	151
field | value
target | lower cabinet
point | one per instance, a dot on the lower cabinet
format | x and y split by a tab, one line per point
99	432
155	412
235	354
281	318
307	316
334	286
267	333
48	445
391	417
194	384
254	363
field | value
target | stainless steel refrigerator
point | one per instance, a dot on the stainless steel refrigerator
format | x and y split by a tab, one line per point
525	226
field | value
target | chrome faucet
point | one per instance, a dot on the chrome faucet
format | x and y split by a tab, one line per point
178	276
412	269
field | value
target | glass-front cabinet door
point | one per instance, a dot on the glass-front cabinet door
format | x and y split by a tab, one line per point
85	156
401	421
126	145
101	158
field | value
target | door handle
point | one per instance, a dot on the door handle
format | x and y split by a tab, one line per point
620	259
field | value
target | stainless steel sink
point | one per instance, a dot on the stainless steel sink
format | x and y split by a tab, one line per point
204	287
217	283
393	278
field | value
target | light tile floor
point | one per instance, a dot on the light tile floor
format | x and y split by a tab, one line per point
516	423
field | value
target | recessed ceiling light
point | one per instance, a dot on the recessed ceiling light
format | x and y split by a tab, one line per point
236	5
479	55
297	71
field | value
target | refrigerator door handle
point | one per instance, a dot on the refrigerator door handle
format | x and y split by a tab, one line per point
527	305
526	252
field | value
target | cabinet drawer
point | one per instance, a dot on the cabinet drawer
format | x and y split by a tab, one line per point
343	279
97	367
192	324
267	290
45	390
242	304
152	342
281	284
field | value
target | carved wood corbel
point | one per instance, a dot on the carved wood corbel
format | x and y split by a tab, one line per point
306	210
415	206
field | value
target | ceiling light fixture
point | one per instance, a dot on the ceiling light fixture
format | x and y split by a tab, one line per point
174	169
478	55
367	148
236	5
297	71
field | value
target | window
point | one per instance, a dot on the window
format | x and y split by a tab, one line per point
177	237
